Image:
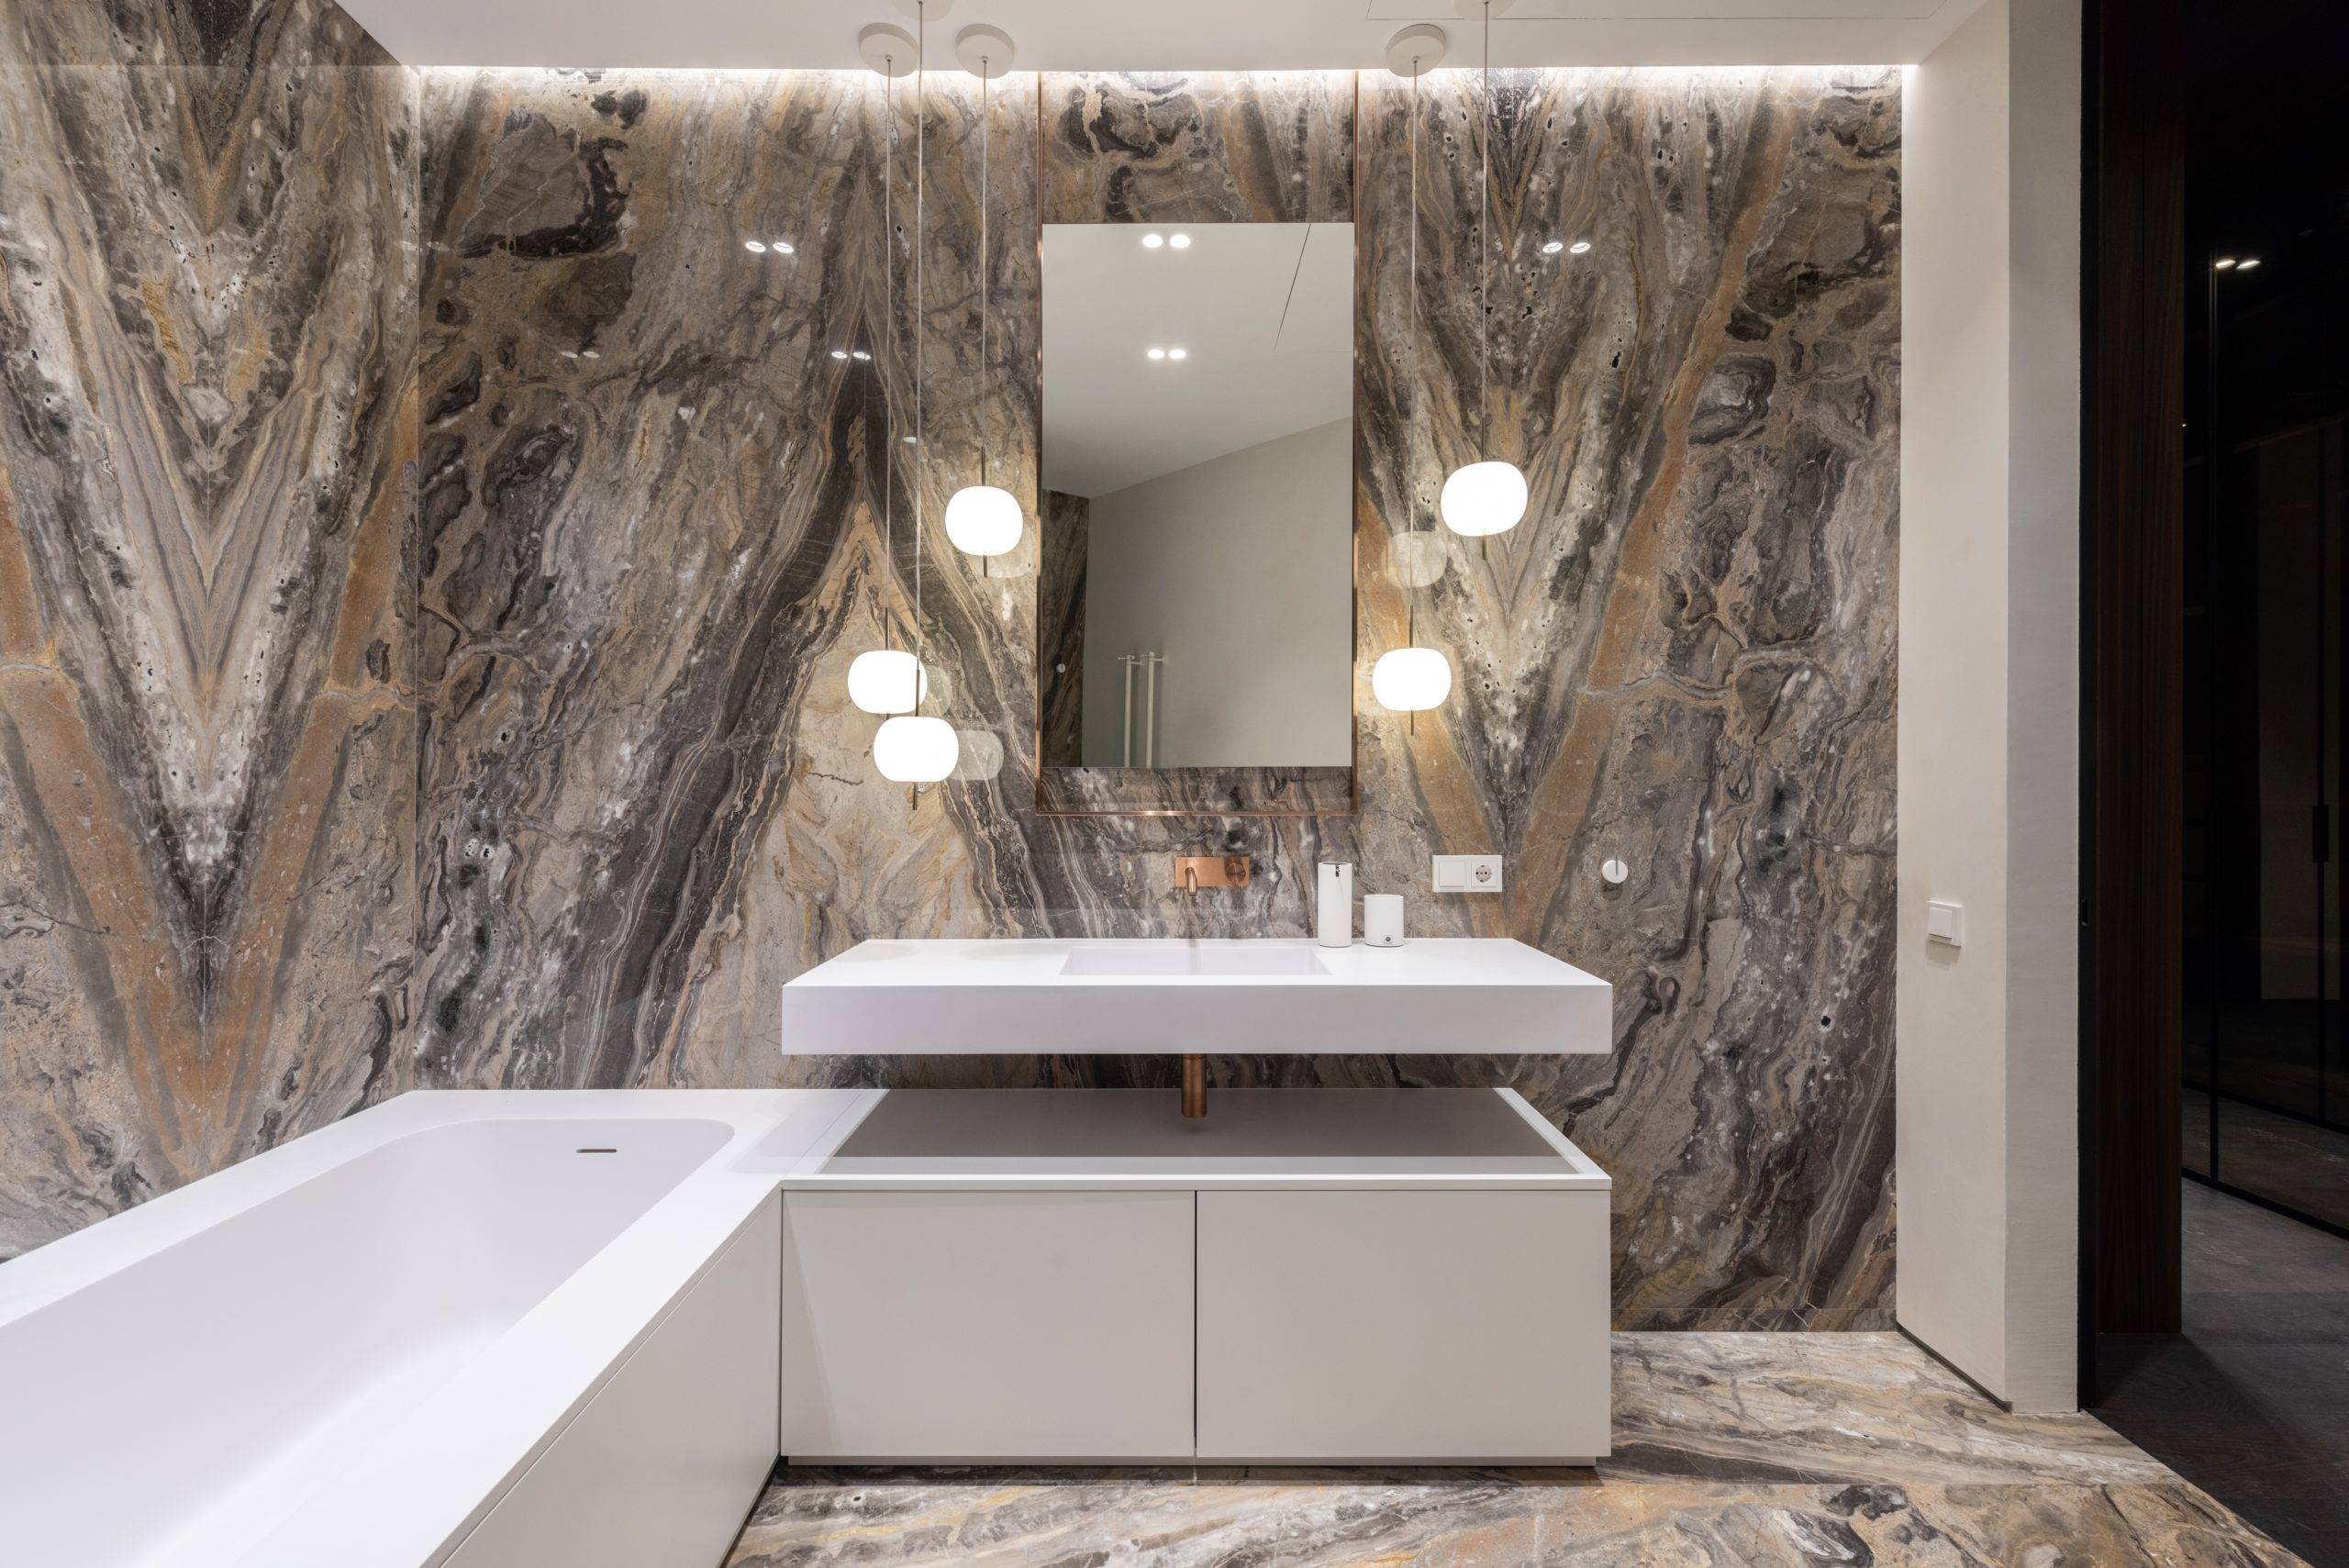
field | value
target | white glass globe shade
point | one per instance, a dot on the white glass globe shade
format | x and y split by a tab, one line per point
983	519
1406	680
909	750
1483	498
887	681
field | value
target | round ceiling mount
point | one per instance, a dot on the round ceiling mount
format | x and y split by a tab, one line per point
1419	47
933	10
887	48
983	50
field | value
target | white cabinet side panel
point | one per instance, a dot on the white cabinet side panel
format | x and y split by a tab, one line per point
1403	1326
932	1325
662	1466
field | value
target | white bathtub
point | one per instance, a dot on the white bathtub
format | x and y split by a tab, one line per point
288	1363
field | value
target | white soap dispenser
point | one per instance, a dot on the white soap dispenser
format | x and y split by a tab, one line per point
1333	905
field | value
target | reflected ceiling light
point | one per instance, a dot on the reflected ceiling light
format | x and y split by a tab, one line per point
1552	246
1152	242
755	247
1579	247
2224	263
1157	354
1488	496
887	681
859	355
915	749
1179	241
839	354
983	519
2246	264
1178	353
782	247
1410	680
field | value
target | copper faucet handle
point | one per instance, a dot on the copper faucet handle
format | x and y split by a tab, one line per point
1194	871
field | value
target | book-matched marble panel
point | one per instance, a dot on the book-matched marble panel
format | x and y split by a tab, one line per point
657	517
207	727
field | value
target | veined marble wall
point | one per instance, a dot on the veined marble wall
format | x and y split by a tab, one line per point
658	518
651	520
206	730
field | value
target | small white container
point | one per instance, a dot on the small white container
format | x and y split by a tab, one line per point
1381	919
1333	905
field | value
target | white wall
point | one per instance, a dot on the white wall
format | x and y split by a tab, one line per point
1987	1034
1240	572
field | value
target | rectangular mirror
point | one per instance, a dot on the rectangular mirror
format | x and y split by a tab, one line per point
1195	599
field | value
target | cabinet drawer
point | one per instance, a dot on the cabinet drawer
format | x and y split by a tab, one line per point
1393	1326
986	1326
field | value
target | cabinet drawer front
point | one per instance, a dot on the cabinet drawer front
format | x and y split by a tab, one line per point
945	1326
1403	1326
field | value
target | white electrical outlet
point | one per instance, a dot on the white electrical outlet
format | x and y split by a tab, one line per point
1467	873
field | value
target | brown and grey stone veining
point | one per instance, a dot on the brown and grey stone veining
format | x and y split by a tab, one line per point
653	519
206	731
1726	1457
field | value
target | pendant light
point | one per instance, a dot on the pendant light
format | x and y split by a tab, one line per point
887	680
1408	679
915	748
1487	497
983	519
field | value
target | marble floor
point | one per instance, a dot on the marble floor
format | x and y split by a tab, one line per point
1794	1450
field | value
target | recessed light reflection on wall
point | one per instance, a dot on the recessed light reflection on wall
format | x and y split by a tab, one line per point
755	247
839	354
783	248
1178	353
1179	241
858	354
1578	248
1554	246
1157	354
2223	263
2246	264
1152	242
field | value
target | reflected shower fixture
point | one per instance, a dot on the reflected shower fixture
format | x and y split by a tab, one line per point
1411	678
983	519
1486	497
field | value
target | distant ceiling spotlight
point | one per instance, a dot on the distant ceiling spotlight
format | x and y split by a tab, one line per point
859	355
755	247
1152	242
839	354
1157	354
2246	264
1179	241
2222	263
1554	246
783	248
1580	247
910	440
1178	353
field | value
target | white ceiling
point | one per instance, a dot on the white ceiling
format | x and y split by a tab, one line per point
1169	35
1265	310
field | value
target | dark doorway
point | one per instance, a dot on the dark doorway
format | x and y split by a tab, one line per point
2215	1108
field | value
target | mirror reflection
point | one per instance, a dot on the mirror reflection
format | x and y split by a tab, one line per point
1196	597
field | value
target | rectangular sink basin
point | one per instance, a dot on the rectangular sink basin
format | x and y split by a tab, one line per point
1193	960
1148	995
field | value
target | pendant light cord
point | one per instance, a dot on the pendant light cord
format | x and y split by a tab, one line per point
1411	598
986	280
921	443
1484	250
889	325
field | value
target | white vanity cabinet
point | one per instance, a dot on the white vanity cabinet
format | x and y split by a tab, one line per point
1306	1275
960	1326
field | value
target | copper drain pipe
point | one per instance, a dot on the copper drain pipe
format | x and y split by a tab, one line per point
1194	1087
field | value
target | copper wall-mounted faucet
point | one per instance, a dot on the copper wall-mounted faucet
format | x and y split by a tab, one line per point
1194	871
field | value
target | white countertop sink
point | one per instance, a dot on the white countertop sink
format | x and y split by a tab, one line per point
1452	996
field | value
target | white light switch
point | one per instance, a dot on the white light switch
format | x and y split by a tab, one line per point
1945	923
1467	873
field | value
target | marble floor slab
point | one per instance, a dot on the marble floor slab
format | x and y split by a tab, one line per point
1732	1448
